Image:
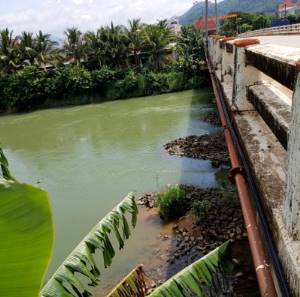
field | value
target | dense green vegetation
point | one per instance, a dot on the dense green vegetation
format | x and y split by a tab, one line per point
170	203
245	22
113	62
227	6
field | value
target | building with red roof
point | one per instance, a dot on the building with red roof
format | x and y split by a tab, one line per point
200	23
289	7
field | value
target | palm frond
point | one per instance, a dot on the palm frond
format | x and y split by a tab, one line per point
67	280
133	285
203	278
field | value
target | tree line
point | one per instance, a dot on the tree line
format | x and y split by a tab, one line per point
115	61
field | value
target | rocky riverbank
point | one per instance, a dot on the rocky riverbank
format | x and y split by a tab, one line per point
223	220
205	147
191	237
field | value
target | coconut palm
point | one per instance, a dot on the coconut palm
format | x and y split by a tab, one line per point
27	51
74	45
46	50
96	47
9	52
117	44
156	40
135	39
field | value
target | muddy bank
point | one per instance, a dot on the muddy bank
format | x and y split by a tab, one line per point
189	238
205	147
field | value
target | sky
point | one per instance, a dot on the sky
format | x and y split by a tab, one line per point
54	16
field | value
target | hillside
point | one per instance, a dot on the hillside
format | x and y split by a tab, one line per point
226	6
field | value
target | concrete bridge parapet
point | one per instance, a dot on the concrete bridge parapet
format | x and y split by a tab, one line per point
261	87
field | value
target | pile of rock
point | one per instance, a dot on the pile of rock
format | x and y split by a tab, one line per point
147	200
205	147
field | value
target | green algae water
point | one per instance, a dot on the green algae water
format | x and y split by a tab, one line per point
89	157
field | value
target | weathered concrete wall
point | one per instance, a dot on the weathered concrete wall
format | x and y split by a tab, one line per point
292	199
258	81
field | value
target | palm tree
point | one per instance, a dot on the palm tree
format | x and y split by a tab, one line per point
46	51
156	39
9	51
74	45
135	39
96	49
117	44
27	51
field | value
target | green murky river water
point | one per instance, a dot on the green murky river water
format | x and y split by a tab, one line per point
89	157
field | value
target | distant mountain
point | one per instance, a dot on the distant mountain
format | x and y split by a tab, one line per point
226	6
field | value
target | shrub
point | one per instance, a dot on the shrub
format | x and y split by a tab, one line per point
201	209
71	80
26	88
103	77
155	83
171	203
176	81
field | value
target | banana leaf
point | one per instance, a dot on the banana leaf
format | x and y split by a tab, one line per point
26	233
204	278
133	285
80	266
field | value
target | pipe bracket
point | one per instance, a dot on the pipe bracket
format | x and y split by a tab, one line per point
233	172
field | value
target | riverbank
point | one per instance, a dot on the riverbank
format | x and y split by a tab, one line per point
211	217
189	238
32	89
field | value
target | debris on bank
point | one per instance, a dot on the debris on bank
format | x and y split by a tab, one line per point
206	147
212	118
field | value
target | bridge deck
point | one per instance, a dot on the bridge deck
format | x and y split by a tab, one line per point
259	83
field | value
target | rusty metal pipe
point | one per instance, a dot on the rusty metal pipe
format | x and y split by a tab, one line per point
258	251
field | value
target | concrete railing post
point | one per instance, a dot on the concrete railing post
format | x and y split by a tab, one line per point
292	197
242	77
218	54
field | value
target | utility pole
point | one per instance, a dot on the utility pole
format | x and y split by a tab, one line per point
206	23
216	14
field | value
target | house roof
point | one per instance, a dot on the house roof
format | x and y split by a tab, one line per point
287	4
200	23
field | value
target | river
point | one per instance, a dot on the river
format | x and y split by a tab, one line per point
89	157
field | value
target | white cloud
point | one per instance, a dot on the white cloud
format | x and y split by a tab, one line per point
55	15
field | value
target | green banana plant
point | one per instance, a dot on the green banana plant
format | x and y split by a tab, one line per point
133	285
206	277
26	233
203	278
65	281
